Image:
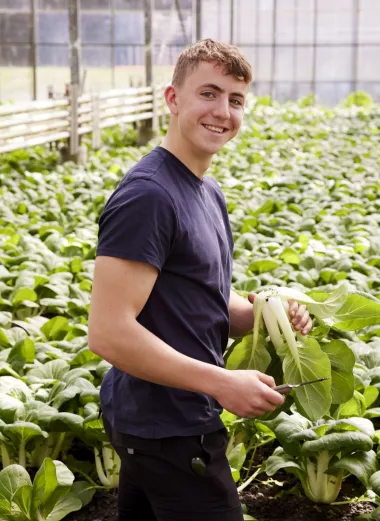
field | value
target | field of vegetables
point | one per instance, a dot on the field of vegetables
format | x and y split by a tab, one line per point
302	184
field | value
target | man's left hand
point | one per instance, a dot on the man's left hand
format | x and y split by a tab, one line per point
299	317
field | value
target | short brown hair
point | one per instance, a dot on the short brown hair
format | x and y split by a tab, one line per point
225	55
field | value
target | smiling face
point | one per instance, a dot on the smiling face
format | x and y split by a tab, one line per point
207	109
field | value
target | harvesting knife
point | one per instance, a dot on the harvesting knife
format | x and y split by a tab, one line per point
286	388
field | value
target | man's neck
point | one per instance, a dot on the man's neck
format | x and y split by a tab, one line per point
196	163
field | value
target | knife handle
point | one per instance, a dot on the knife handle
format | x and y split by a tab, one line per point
282	389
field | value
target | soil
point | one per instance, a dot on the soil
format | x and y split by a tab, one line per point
260	501
267	499
264	504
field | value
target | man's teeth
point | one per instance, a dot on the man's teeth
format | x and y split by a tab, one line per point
216	129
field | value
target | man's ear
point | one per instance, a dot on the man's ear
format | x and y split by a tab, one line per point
170	95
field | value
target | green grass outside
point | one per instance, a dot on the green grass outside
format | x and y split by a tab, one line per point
16	83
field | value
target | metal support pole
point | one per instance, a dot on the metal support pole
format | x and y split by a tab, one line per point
148	5
232	4
219	18
181	21
355	60
257	52
198	19
295	51
146	128
33	15
113	57
274	42
315	32
75	76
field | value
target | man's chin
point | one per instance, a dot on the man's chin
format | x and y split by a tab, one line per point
212	149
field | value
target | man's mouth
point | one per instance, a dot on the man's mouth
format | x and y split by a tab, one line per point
215	130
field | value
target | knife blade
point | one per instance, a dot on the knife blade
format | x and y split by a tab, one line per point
286	388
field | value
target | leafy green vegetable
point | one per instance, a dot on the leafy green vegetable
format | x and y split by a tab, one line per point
324	453
48	498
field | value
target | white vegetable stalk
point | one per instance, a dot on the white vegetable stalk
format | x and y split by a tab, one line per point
272	327
258	306
109	476
319	485
277	309
5	458
274	310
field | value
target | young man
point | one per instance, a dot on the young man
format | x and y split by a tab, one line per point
162	308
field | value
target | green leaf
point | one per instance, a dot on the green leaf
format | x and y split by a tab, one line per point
354	424
7	511
357	312
347	442
243	356
9	406
23	498
65	421
85	285
74	374
56	328
287	430
65	395
6	369
280	460
22	353
21	432
53	504
342	361
373	412
83	491
11	478
76	265
374	482
356	406
328	307
361	464
45	483
290	256
24	294
4	340
54	370
13	386
65	505
83	357
236	456
311	363
370	395
267	208
263	265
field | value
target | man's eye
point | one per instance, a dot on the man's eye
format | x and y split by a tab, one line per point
208	94
236	102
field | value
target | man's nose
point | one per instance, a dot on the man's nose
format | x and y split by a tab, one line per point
222	108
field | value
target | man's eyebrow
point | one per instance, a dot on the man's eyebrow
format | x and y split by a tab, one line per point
219	89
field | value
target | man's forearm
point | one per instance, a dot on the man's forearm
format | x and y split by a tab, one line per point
137	351
241	315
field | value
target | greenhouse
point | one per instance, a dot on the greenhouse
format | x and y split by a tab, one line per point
189	260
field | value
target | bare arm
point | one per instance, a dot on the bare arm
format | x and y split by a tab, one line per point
241	315
120	291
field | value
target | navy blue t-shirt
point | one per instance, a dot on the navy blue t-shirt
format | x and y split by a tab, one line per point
164	215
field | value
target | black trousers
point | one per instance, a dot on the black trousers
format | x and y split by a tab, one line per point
158	481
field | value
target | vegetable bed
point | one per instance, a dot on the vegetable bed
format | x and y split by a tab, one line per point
302	186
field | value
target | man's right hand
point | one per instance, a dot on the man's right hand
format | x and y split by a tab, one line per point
248	393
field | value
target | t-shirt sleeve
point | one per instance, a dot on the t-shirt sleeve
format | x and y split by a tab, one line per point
138	223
